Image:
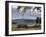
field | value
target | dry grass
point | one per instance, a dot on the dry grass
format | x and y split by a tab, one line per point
18	29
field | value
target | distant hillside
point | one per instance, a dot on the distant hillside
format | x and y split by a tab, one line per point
23	21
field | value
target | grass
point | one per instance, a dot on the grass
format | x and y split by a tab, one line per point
18	29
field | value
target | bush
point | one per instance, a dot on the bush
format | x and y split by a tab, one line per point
22	26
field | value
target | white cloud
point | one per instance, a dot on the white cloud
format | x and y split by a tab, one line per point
15	6
27	15
21	9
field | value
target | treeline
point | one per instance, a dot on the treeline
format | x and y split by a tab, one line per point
14	22
38	20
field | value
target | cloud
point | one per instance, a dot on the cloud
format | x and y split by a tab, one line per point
27	15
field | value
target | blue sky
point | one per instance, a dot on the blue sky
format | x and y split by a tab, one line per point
28	14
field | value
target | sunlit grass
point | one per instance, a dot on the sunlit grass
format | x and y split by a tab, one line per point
18	29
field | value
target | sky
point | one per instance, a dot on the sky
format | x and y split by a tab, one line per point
28	14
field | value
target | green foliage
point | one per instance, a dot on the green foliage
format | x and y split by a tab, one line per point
38	20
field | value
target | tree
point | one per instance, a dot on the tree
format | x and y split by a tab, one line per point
38	20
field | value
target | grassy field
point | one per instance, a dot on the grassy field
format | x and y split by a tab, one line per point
18	29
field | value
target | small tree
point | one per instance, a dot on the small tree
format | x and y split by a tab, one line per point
38	20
